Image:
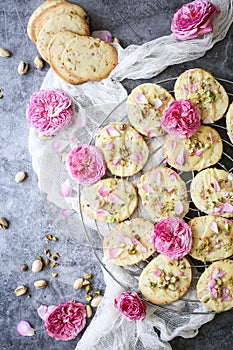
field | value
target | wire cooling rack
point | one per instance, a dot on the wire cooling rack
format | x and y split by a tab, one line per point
95	234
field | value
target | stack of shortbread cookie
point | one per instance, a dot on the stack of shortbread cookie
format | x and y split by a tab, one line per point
61	32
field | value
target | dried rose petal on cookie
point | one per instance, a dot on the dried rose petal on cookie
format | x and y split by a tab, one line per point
49	111
172	237
181	119
85	164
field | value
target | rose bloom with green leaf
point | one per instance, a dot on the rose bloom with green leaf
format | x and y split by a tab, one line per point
194	19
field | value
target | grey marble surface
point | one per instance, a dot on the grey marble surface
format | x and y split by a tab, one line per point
26	208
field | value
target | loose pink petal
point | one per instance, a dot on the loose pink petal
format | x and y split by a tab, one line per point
157	176
111	145
211	137
67	212
96	204
141	98
122	238
157	272
147	188
104	191
173	144
103	35
199	152
158	103
214	226
81	120
136	241
136	157
215	185
25	329
179	208
58	145
66	189
227	208
114	199
116	161
173	175
112	131
42	311
181	158
113	253
102	212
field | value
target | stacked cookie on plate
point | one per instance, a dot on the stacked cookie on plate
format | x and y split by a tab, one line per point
190	145
61	32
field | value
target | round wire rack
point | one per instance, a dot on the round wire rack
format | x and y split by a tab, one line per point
95	234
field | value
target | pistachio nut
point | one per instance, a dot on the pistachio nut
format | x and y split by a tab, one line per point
20	176
4	53
38	62
37	265
21	290
23	67
3	224
40	284
116	40
78	283
96	301
88	311
44	137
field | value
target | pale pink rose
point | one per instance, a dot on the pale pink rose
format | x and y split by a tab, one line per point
66	321
181	119
194	19
172	237
49	111
85	164
131	306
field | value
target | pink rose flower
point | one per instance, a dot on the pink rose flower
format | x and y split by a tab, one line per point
181	119
49	111
194	19
131	306
172	237
66	321
85	164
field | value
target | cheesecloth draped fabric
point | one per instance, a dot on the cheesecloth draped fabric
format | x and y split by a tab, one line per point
108	330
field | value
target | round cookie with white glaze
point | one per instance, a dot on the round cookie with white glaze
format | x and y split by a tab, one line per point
146	104
129	242
195	153
215	286
164	281
211	192
204	91
212	238
163	193
124	149
109	200
229	122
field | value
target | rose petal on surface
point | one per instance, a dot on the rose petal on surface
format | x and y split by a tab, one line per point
157	272
25	329
173	175
102	212
136	157
199	152
116	161
67	212
66	189
214	226
114	199
181	158
227	208
147	188
44	310
158	103
122	238
131	306
179	208
103	35
216	185
103	191
112	131
58	145
141	98
157	176
113	253
136	241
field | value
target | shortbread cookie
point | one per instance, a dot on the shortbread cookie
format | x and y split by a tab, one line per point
195	153
36	15
62	8
211	192
129	242
54	52
146	104
88	58
74	23
125	152
201	88
215	286
109	200
229	122
163	281
212	238
163	193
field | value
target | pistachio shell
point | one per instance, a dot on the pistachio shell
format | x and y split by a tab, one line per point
37	266
3	224
38	62
40	284
21	290
89	311
96	301
78	283
20	176
4	53
23	67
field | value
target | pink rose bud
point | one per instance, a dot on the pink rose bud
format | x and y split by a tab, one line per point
65	321
181	119
85	164
131	306
194	19
172	237
49	111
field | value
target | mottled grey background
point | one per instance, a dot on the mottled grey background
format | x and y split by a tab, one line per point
26	208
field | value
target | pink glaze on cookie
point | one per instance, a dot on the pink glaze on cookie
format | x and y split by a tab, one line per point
85	164
181	119
49	111
172	237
